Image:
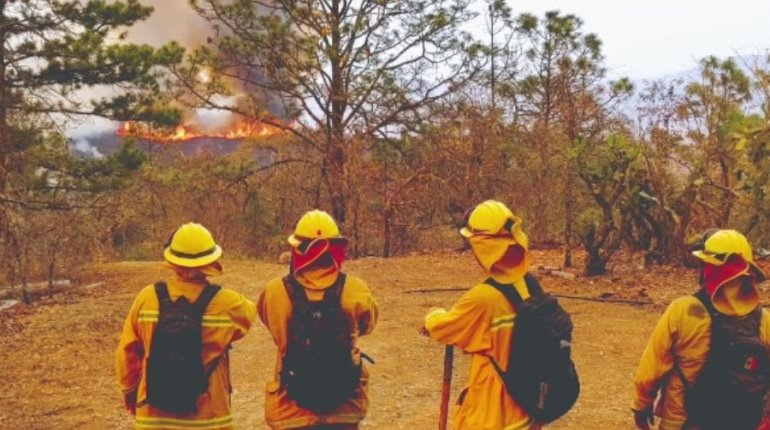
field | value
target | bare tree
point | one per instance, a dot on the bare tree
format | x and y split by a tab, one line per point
336	68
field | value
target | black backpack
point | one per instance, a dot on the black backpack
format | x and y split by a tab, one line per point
175	373
730	389
541	376
318	370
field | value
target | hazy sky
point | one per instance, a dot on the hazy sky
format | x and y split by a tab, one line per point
642	38
653	38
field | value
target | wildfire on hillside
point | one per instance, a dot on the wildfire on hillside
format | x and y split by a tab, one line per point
241	130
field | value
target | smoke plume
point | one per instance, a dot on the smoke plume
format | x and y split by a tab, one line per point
171	20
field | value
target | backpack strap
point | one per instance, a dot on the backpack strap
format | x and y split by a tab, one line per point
203	300
161	291
705	300
201	303
333	294
512	294
533	285
213	365
507	290
295	291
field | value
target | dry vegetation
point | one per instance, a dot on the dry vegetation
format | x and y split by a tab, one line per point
394	147
57	355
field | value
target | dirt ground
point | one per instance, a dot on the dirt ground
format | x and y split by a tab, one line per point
56	357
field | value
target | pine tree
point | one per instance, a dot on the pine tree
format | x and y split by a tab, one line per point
60	60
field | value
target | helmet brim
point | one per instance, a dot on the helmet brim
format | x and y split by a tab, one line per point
517	234
203	260
708	258
294	241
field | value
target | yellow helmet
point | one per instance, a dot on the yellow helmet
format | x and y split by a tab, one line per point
491	218
192	245
718	244
315	224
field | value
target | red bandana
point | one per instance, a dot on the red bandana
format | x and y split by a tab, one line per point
311	251
715	276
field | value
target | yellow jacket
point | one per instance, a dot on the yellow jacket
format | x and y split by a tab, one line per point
227	318
275	311
481	324
682	337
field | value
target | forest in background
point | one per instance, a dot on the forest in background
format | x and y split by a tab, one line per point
393	116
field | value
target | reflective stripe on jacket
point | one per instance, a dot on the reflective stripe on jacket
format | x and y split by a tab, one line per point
275	311
227	318
481	324
682	337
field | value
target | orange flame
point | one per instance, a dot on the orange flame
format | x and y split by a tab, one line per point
242	130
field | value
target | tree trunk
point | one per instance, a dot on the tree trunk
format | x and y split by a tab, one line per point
25	295
4	147
679	251
492	77
3	106
595	264
569	209
728	199
336	181
51	272
387	233
335	151
356	226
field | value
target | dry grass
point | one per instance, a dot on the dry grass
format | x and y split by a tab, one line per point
57	356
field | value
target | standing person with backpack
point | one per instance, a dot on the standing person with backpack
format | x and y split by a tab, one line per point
172	362
316	314
707	359
521	374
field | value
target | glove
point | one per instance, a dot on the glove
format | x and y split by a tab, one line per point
644	419
433	311
129	399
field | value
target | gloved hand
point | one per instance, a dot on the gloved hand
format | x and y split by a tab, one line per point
129	399
433	311
644	419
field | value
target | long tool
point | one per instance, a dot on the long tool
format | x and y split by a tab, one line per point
446	387
561	296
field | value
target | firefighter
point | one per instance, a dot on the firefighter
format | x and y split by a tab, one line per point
193	257
482	321
317	304
674	363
